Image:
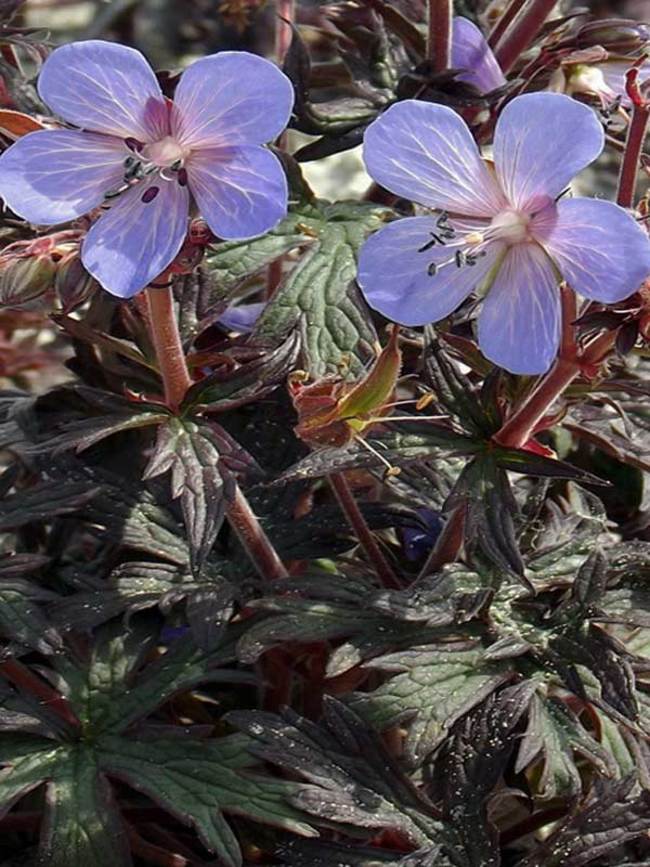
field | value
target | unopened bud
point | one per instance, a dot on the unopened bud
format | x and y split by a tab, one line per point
23	280
73	284
619	35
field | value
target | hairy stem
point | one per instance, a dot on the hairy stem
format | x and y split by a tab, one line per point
521	426
523	30
363	533
439	40
634	142
504	22
285	11
169	349
449	543
255	541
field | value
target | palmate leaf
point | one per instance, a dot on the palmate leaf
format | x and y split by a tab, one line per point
614	813
195	780
22	618
137	586
556	736
191	452
352	779
470	765
319	293
431	688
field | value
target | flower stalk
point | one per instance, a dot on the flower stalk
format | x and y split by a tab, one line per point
504	21
524	28
255	541
176	379
634	142
439	37
167	342
350	509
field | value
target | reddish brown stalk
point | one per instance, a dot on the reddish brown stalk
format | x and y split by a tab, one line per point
23	678
169	349
503	22
439	38
449	543
522	32
255	541
634	142
363	533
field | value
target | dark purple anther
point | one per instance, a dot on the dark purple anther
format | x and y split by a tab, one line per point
150	194
182	177
133	144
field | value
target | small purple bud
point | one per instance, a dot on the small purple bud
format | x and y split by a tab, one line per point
150	194
182	177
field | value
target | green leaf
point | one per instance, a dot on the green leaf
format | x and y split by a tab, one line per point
319	293
232	262
190	451
197	780
83	825
43	502
555	735
352	779
430	689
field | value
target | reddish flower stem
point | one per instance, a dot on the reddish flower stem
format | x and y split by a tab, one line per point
439	37
285	11
504	22
23	678
250	533
521	33
363	533
449	543
634	142
167	341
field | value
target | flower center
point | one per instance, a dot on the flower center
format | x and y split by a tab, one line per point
512	227
164	153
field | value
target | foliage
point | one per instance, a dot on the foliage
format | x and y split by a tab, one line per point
467	687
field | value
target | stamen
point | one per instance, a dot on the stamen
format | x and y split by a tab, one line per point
390	469
149	195
182	177
133	144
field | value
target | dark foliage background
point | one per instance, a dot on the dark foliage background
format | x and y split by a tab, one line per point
164	701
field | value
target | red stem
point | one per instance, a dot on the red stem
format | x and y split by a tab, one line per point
255	541
634	142
503	22
439	39
169	349
363	533
524	29
23	678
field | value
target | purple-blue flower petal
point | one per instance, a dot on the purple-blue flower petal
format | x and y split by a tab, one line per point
426	153
394	277
519	323
231	98
103	87
52	176
138	237
242	317
241	191
599	248
470	51
541	141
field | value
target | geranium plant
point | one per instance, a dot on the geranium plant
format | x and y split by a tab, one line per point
325	520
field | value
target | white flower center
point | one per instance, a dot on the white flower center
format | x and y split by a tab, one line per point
164	153
512	227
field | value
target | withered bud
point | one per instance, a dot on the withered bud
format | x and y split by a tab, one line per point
24	279
619	35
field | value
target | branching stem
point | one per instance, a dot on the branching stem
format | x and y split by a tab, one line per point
255	541
169	349
634	142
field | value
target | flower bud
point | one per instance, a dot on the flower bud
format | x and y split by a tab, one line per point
73	284
23	279
619	35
